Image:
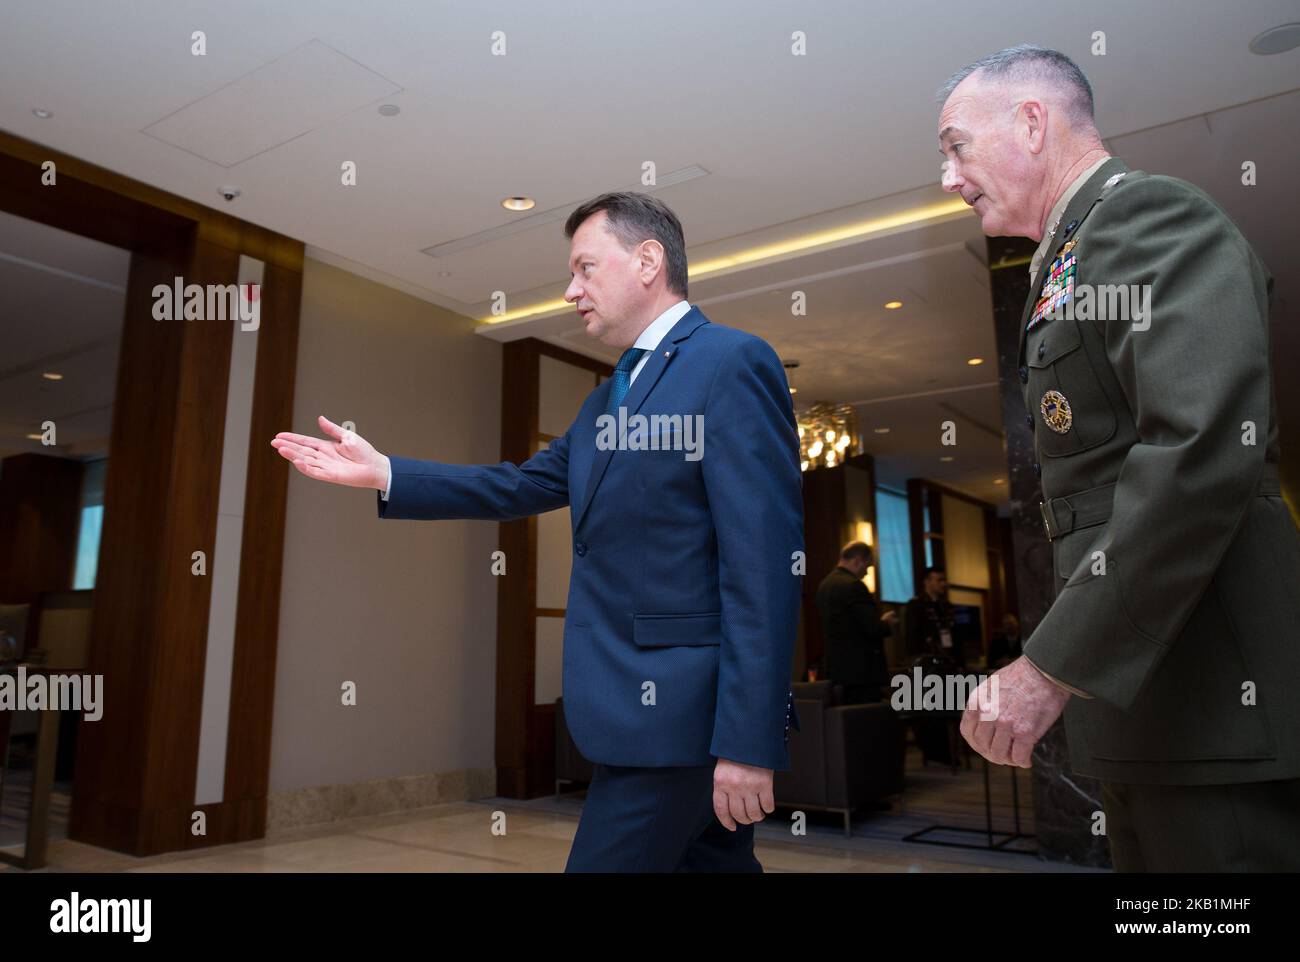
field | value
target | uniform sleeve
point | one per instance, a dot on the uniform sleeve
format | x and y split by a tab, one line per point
1195	381
434	491
752	480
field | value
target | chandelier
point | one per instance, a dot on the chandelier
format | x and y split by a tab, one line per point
828	434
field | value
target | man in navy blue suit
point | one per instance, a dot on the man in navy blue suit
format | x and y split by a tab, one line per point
684	594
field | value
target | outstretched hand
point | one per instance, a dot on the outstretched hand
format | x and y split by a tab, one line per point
348	459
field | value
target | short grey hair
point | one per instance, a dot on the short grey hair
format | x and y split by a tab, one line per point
1026	61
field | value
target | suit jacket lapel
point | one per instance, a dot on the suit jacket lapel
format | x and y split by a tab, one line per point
1078	207
645	382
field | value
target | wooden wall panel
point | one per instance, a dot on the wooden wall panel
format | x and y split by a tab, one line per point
525	731
516	740
111	764
40	516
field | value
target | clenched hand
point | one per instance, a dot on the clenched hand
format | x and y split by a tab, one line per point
741	793
1005	722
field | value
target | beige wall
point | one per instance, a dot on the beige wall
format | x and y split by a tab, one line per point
965	552
406	609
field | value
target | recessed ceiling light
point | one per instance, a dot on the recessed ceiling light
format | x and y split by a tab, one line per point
974	360
389	110
52	376
519	203
1277	40
794	390
999	480
893	305
42	113
882	430
34	437
946	457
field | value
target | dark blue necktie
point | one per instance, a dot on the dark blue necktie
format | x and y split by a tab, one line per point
622	379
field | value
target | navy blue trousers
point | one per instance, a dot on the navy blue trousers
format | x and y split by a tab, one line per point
657	820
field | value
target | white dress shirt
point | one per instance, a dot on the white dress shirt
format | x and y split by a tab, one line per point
655	332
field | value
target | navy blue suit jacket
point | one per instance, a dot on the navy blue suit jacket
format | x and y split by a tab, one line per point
683	571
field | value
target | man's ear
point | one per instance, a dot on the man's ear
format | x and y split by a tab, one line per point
650	257
1033	115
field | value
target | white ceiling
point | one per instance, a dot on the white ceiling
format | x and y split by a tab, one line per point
588	91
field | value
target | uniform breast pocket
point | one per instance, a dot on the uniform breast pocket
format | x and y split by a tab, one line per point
1071	410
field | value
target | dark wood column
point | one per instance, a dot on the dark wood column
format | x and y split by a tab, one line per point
524	749
525	733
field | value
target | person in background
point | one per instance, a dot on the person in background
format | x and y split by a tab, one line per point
928	631
854	628
928	620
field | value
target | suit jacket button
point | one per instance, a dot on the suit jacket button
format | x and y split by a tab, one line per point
1042	348
1024	375
581	548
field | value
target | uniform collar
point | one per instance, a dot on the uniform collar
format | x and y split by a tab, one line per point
1058	211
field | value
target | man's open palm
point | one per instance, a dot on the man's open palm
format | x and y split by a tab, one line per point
347	459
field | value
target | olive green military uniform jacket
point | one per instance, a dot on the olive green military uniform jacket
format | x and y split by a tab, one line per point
1177	564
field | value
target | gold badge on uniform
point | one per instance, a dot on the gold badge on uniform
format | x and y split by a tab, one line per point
1056	412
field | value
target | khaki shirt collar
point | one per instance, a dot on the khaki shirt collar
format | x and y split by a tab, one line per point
1054	216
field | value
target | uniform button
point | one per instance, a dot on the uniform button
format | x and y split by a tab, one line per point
1038	470
1070	226
581	548
1024	375
1029	421
1042	348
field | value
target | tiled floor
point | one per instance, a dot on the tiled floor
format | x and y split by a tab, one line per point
458	837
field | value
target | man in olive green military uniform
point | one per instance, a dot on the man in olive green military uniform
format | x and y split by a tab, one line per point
1173	645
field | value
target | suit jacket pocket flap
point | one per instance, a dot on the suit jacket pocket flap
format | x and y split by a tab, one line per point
655	631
